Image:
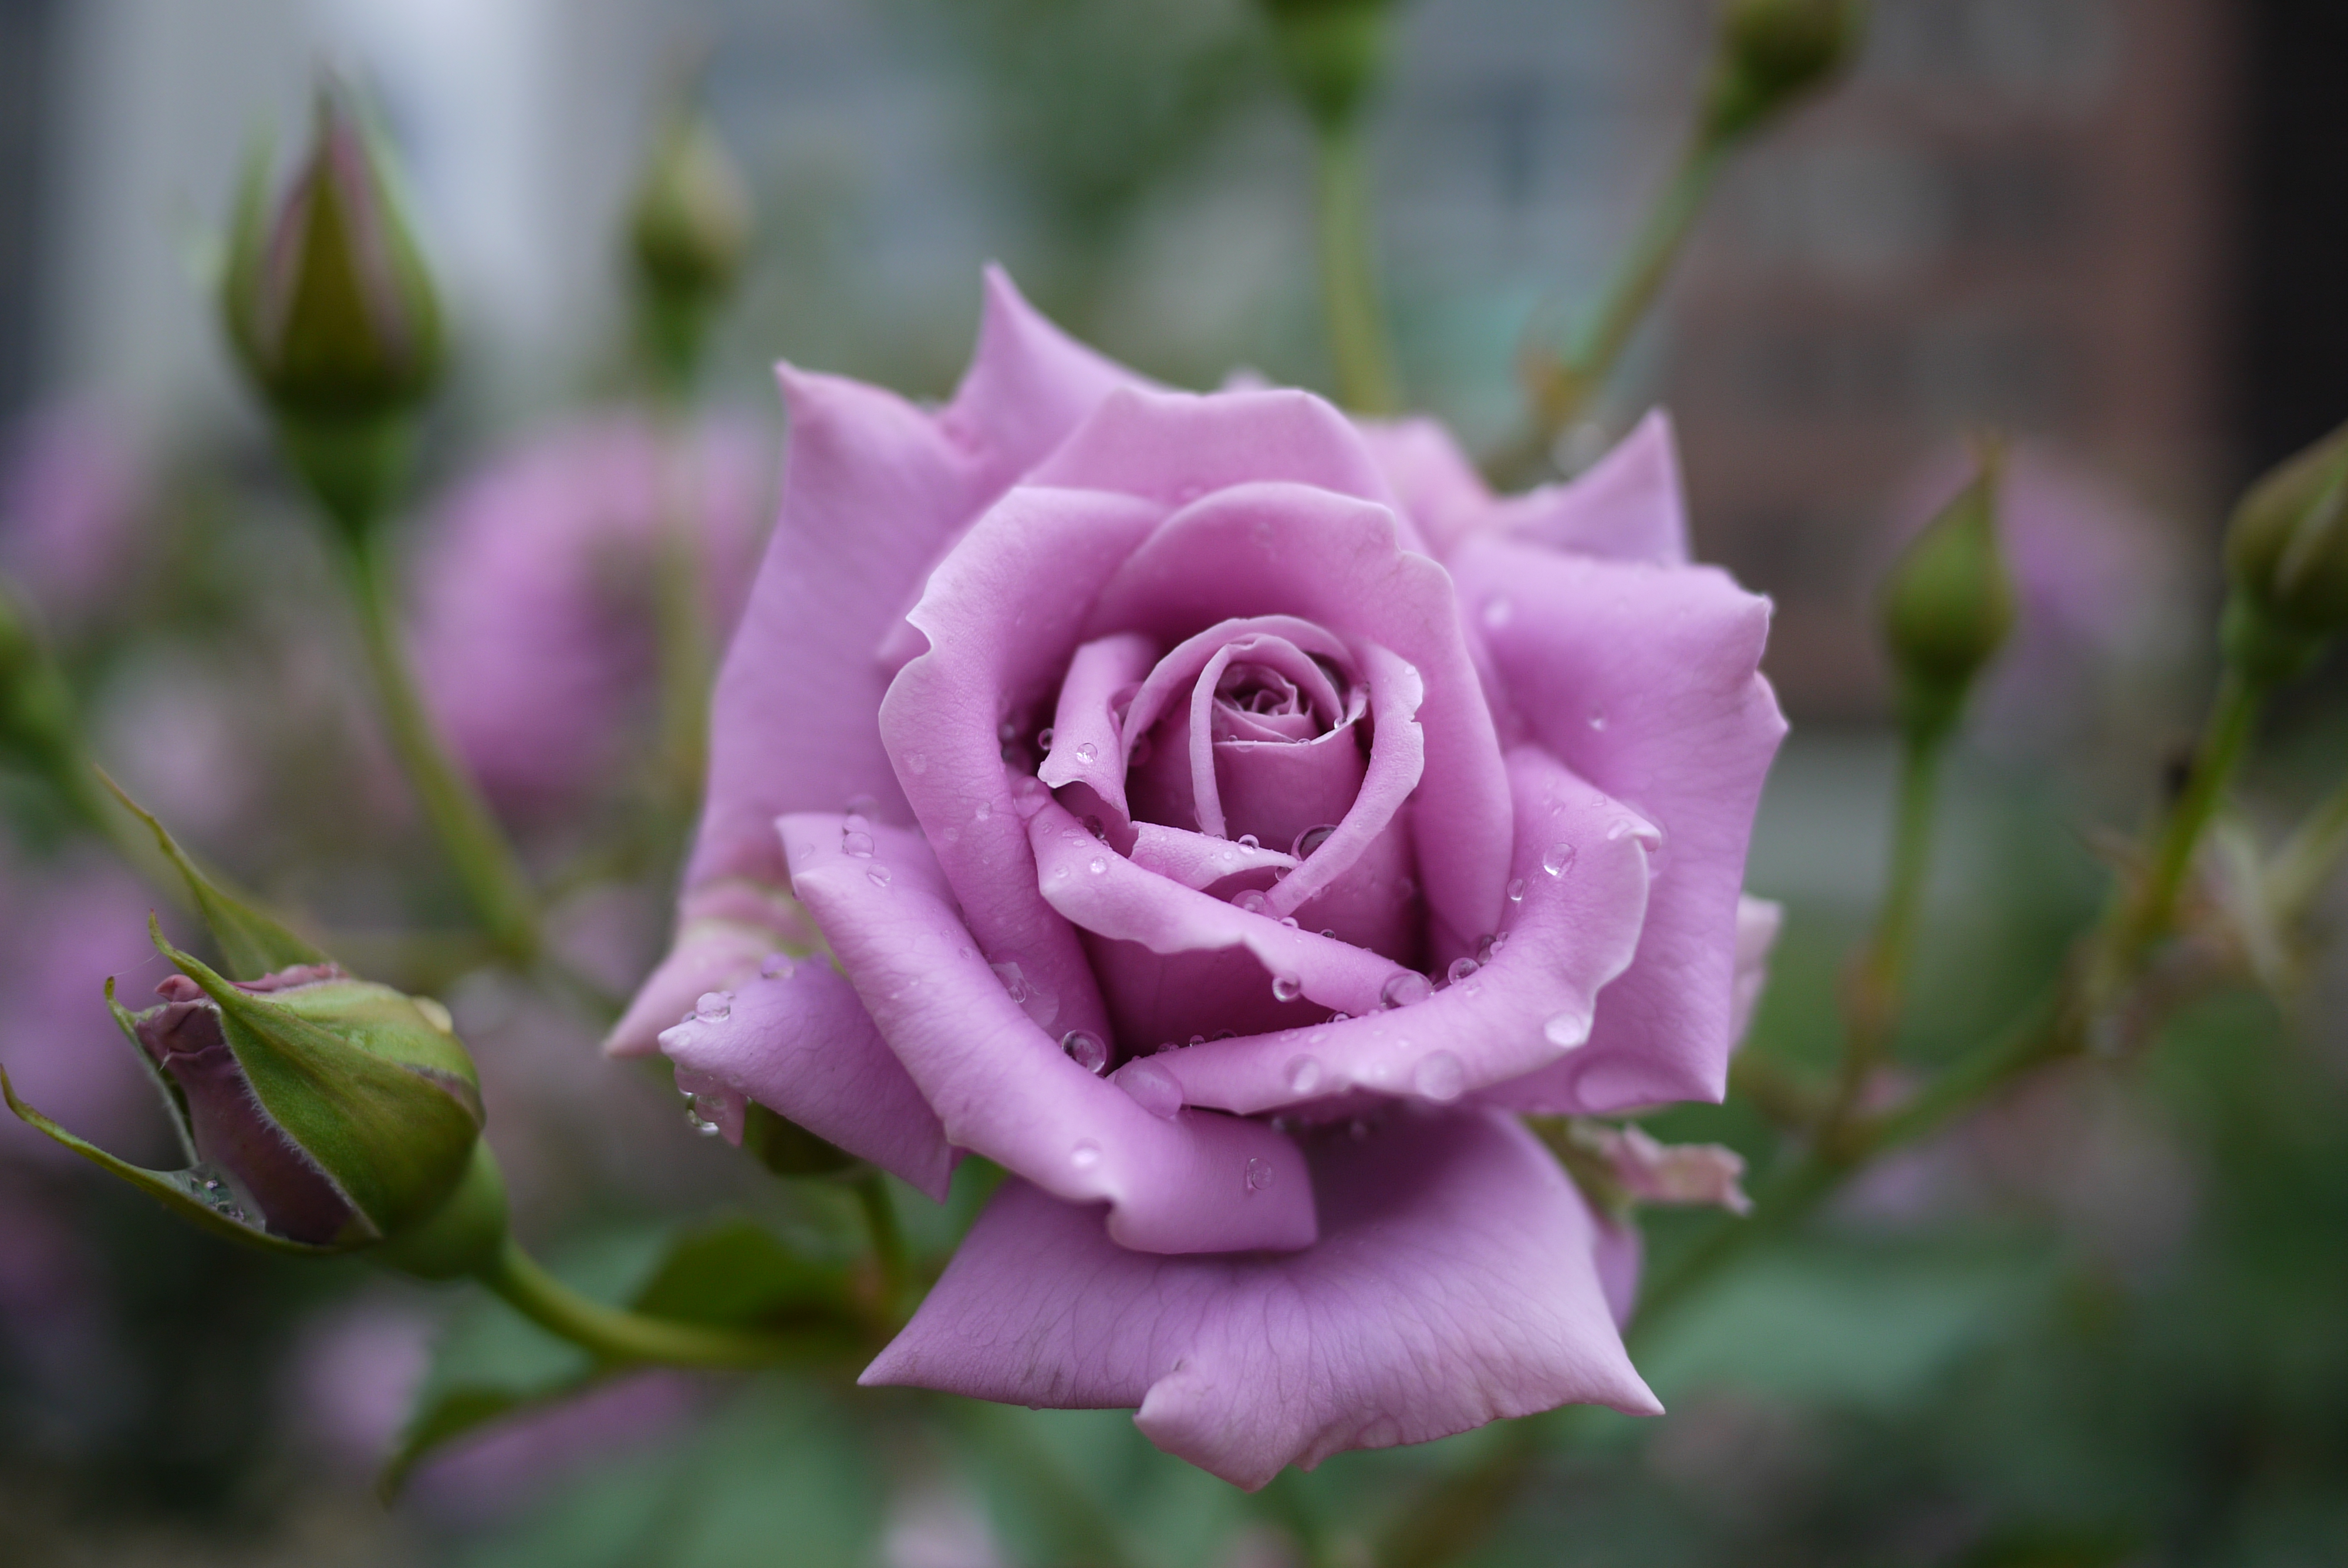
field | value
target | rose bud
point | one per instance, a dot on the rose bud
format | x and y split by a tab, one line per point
1772	53
331	311
1331	51
1948	604
2287	560
1246	819
35	709
688	234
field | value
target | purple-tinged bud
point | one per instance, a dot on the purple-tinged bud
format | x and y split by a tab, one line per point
1774	53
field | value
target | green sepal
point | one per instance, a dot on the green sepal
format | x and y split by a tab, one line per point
463	1238
182	1192
251	944
391	1118
1948	604
787	1149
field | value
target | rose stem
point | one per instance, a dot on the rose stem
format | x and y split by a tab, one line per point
616	1335
1364	360
888	1240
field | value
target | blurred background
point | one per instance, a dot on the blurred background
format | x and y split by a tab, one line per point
2104	1323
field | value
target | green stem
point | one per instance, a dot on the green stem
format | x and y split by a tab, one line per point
2306	862
614	1334
1879	981
484	861
888	1240
1562	385
2224	740
1367	383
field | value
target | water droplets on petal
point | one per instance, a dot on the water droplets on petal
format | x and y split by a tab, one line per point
1043	739
1558	859
1597	718
776	966
1401	991
1253	902
856	844
1249	844
1087	753
1303	1075
1312	838
1085	1155
1568	1030
878	876
1516	890
1097	866
1258	1175
1439	1077
1460	970
1087	1050
917	763
713	1007
1152	1088
1286	988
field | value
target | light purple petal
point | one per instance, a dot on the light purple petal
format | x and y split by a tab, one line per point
1194	860
1572	933
1087	747
1432	478
1758	921
1455	1283
724	930
1397	762
1646	680
1629	506
801	1044
1285	549
1000	1080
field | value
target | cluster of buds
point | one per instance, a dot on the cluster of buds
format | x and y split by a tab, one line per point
320	1113
2287	564
1772	54
1949	604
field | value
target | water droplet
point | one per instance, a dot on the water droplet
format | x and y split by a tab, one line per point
859	845
1497	613
1095	827
1568	1029
1597	718
1303	1075
855	821
1330	932
1043	739
698	1122
1085	1049
1085	1155
776	966
984	810
1198	1039
1153	1087
1516	890
1087	753
1249	844
1499	940
878	876
1461	969
917	763
1558	859
1286	988
1312	838
1339	1017
1253	902
1439	1077
1097	866
1012	981
1401	991
1224	1034
713	1007
1258	1176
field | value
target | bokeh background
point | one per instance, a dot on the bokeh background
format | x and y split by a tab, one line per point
2106	1322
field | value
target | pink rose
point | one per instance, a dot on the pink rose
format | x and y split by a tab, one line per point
1223	816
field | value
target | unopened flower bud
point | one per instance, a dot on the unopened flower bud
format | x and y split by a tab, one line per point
688	235
1333	53
2287	560
1949	604
326	296
1772	53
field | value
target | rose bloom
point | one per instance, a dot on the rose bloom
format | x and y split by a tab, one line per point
1225	817
534	630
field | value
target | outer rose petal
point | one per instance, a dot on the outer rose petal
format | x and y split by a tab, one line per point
802	1045
1646	680
1630	507
724	930
1530	1006
1758	921
1004	1087
1455	1283
1435	481
873	489
1286	550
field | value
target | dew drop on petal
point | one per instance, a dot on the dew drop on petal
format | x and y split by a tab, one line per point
776	966
1043	739
1303	1075
1094	825
984	811
1558	859
859	845
1085	1155
1439	1077
855	821
1516	890
1597	718
917	763
1339	1017
713	1007
1258	1176
1291	922
878	876
1568	1029
1312	838
1087	753
1461	969
1097	866
1248	844
1085	1049
1198	1039
1330	932
1499	940
1253	902
1286	988
1401	991
1151	1086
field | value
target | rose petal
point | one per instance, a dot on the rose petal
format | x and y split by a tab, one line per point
1100	890
1628	507
1006	1088
1397	762
1572	934
802	1045
1455	1283
1194	860
1276	791
725	930
1644	680
1087	747
1172	678
1433	479
1758	921
1280	549
1273	652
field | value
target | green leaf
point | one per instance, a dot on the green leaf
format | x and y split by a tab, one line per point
251	944
186	1192
733	1273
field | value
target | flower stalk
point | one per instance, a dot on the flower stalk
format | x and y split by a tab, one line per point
615	1335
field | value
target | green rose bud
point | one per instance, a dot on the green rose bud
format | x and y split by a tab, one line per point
1333	53
2287	562
1948	604
688	235
1772	53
